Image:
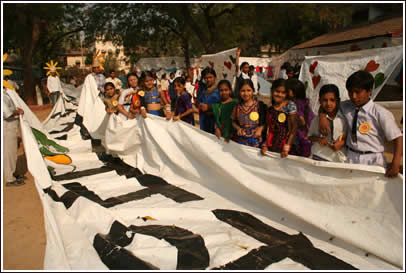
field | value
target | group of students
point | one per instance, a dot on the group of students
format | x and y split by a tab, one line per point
351	131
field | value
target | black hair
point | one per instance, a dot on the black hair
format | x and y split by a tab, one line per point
297	87
208	70
285	65
251	67
109	84
360	79
163	76
171	74
329	88
289	69
241	84
146	74
132	74
179	80
244	63
226	82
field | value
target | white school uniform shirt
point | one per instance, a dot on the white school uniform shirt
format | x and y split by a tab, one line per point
383	126
164	85
253	78
339	128
54	84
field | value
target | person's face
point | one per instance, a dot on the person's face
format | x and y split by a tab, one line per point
290	74
329	102
209	79
149	82
96	69
246	93
179	87
132	81
53	74
172	76
359	96
279	94
245	68
110	91
113	74
224	91
188	79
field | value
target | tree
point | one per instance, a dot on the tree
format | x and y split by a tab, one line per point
37	31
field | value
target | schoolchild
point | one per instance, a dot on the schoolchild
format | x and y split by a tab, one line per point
222	111
369	125
330	147
281	121
111	98
248	117
297	93
183	107
124	100
206	98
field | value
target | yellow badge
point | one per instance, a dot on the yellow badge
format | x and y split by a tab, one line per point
282	117
115	103
141	93
254	116
364	128
137	103
341	137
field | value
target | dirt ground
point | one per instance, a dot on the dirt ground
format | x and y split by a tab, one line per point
23	223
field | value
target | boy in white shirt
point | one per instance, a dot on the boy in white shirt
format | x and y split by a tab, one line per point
54	85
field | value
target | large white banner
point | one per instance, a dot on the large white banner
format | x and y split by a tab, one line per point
170	196
317	71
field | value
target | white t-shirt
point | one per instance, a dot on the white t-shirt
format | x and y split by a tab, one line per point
54	84
164	84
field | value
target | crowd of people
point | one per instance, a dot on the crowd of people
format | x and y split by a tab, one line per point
352	131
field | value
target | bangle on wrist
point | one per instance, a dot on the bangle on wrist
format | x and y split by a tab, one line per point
286	147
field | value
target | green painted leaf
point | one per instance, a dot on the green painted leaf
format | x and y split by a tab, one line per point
379	79
43	140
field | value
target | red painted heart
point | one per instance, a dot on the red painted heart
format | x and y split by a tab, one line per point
371	66
313	67
211	64
316	80
228	64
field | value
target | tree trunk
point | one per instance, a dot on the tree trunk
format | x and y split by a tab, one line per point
186	51
29	47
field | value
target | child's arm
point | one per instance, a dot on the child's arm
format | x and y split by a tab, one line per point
187	112
124	112
293	126
393	168
237	61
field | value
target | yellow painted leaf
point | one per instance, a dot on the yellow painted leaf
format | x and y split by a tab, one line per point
5	57
149	218
46	67
60	159
48	64
245	247
7	72
56	63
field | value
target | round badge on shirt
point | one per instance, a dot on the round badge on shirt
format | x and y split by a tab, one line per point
114	103
141	93
364	128
282	117
254	116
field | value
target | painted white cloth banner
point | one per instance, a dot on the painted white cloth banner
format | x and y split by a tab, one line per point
317	71
219	206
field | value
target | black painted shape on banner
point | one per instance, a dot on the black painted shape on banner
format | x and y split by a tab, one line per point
280	245
154	183
78	174
63	137
116	258
68	198
84	133
66	129
67	112
80	190
192	252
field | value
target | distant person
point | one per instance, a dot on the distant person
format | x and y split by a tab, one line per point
123	78
125	98
10	144
116	81
332	146
98	76
12	83
172	91
369	125
165	87
241	73
282	73
54	86
254	78
290	72
189	87
281	121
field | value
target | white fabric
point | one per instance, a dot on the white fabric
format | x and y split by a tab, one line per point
336	68
10	130
54	84
164	84
355	204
